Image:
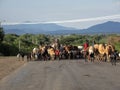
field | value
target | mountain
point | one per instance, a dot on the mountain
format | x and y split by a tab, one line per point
107	27
104	28
34	28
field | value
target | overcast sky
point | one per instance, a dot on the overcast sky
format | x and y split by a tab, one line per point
59	10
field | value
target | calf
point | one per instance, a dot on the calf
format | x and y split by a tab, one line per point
29	57
113	58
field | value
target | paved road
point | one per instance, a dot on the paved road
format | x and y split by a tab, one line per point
63	75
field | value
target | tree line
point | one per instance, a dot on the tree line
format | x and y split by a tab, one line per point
11	44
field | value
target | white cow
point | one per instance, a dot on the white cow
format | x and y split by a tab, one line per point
119	54
18	56
35	52
80	47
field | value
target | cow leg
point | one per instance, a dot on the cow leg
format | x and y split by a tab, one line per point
111	59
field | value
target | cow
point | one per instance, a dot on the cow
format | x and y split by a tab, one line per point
113	57
18	56
51	52
63	53
96	51
91	53
29	56
110	49
76	52
80	47
102	52
44	53
35	53
68	51
21	54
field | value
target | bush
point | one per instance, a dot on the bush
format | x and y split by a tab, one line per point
8	50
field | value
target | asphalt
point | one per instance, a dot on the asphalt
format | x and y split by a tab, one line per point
63	75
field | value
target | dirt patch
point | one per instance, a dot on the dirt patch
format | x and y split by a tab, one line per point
8	65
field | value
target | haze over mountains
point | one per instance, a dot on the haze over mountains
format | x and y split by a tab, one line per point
104	28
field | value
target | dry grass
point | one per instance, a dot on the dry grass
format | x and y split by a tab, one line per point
8	65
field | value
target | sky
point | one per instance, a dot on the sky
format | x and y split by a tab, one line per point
70	13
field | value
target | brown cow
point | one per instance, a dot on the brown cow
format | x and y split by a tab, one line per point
68	50
51	52
103	51
96	51
109	50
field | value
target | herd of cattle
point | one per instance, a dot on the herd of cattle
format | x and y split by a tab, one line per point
100	52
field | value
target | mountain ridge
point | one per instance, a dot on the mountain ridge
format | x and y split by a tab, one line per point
103	28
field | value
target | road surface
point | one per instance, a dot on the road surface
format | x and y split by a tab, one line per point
63	75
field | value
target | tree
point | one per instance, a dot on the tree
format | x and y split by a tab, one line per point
1	34
10	38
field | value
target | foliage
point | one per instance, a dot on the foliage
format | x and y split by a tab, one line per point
10	38
117	46
1	34
115	40
12	43
8	50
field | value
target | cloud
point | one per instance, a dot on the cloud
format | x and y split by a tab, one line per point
87	19
72	21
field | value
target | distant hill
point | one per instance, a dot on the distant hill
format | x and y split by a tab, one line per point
107	27
104	28
34	28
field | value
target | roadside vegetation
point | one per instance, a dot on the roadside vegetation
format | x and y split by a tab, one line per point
11	44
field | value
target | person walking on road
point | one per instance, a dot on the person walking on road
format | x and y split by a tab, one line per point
85	48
